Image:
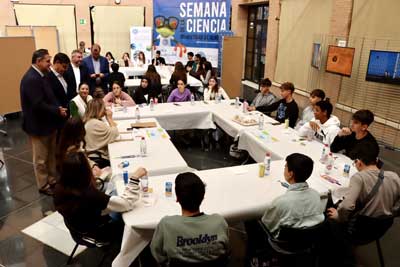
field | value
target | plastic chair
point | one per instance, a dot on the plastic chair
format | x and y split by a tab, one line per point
83	239
295	245
368	229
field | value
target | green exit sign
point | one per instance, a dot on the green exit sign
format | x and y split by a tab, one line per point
82	21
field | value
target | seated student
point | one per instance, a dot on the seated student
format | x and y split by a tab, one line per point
351	140
117	97
324	126
190	61
300	206
180	94
264	97
179	73
154	82
141	91
116	76
98	93
78	104
286	107
126	60
214	89
82	205
140	60
383	203
193	236
99	133
158	60
307	115
110	58
207	73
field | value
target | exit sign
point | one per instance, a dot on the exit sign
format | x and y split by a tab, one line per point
82	21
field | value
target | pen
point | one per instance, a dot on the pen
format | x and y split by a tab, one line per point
330	179
126	157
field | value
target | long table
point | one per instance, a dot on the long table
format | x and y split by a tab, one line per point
237	193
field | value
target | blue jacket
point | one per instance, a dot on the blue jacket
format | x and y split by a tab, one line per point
104	68
39	105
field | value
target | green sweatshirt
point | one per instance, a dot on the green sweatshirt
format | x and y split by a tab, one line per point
190	239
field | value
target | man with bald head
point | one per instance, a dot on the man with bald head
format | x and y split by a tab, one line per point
98	69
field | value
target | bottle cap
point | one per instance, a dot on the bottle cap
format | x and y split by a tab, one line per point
268	154
142	138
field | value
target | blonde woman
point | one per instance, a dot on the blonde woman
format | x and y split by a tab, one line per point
99	133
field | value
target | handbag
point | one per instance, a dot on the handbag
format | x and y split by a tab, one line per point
99	160
355	223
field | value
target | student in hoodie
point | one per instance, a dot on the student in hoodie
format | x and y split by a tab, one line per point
307	115
352	139
324	126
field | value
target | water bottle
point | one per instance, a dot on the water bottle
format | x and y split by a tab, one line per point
261	122
329	163
192	99
137	114
125	176
156	100
218	98
152	104
144	182
237	102
324	154
245	105
267	163
143	147
125	109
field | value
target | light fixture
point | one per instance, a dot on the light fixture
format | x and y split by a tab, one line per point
117	2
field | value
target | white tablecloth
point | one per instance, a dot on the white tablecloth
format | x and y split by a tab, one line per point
162	156
133	71
173	117
237	193
136	82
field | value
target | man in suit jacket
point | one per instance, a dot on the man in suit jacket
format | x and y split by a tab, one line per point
58	83
98	69
41	112
76	71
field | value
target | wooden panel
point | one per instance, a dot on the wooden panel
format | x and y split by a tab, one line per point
232	65
18	31
46	37
13	66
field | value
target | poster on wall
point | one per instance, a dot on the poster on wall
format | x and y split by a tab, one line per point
182	26
141	45
316	56
340	60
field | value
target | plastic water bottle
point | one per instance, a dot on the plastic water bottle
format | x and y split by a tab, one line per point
237	102
137	114
144	182
218	98
329	163
245	105
125	176
261	122
324	154
192	99
125	109
152	104
156	100
143	147
267	163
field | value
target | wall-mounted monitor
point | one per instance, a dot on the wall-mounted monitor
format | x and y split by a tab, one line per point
340	60
316	56
383	67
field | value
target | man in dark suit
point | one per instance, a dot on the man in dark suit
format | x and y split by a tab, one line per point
158	60
76	71
98	69
41	113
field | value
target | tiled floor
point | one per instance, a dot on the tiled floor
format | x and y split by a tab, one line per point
21	205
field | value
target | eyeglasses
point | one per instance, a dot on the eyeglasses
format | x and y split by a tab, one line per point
170	22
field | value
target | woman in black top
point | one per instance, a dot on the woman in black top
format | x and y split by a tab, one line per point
142	90
155	81
82	204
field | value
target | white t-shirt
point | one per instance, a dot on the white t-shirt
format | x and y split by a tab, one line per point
77	74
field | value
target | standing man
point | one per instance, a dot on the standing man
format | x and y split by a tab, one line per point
98	69
76	71
41	112
59	85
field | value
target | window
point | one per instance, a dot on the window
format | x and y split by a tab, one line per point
256	42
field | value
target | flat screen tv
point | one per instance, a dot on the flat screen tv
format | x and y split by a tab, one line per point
340	60
383	67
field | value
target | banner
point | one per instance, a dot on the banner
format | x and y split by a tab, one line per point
182	26
141	42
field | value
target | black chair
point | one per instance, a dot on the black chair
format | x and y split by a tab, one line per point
220	262
83	239
368	229
297	246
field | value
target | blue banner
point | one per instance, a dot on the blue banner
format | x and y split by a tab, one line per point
182	26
